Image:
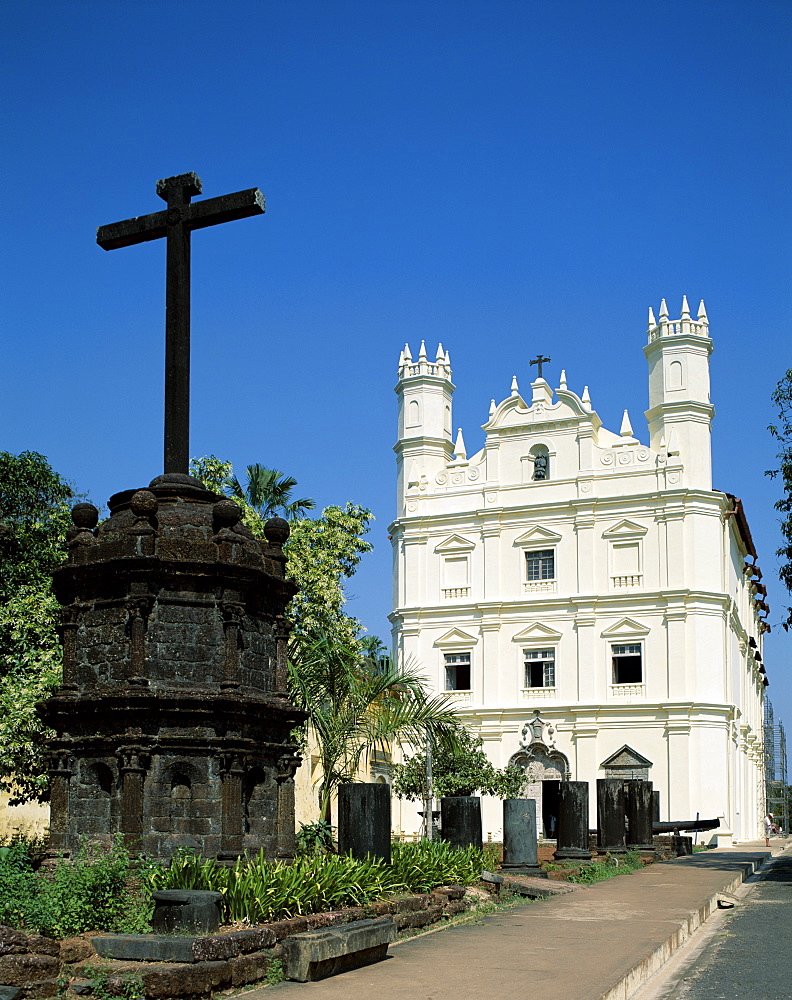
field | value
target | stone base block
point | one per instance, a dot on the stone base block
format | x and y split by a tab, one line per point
318	954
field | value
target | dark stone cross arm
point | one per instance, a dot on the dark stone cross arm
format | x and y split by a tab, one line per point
199	215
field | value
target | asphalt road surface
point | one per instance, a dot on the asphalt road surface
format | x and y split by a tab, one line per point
750	955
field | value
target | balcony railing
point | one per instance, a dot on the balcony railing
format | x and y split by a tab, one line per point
628	690
539	587
546	694
452	592
627	580
460	697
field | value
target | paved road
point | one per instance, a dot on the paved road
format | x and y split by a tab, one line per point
749	958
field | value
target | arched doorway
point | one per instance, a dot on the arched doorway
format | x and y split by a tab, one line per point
545	768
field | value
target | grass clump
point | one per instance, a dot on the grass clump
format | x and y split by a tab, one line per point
598	871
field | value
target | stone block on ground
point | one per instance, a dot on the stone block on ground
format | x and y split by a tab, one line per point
317	954
25	970
537	888
250	968
145	947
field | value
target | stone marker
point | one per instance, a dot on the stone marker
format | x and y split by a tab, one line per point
520	848
460	819
639	815
655	806
318	954
611	831
364	820
182	911
573	822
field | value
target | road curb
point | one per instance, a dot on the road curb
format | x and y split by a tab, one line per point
643	970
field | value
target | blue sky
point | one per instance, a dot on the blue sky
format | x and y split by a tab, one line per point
506	177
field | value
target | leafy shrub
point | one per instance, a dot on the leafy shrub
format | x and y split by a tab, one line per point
258	890
91	892
315	838
423	866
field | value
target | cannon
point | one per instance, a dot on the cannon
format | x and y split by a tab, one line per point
688	826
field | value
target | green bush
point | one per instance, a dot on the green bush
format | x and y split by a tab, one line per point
427	864
91	892
598	871
258	890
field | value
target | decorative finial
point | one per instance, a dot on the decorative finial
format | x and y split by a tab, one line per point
626	427
702	313
422	352
515	389
440	356
407	354
673	444
652	320
562	382
459	447
663	310
448	359
585	399
493	407
685	308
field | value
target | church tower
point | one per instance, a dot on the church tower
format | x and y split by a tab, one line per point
425	444
680	413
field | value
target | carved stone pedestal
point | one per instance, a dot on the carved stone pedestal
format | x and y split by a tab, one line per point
173	724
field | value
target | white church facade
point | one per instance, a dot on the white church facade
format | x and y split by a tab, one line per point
588	601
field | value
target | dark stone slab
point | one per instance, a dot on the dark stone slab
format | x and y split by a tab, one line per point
573	820
319	954
364	820
520	847
12	941
639	815
611	816
460	820
10	993
145	947
24	970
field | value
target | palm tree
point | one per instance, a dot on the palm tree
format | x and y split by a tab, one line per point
269	492
354	710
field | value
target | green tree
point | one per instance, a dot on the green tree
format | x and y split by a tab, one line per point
353	710
782	432
322	552
34	518
269	493
459	768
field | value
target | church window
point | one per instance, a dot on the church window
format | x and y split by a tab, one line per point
457	671
627	664
539	668
540	565
455	576
413	413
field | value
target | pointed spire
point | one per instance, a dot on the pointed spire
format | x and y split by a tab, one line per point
448	359
414	476
402	360
626	427
515	389
673	444
493	407
422	352
440	356
652	320
459	447
562	382
662	442
585	399
685	308
663	314
407	354
702	313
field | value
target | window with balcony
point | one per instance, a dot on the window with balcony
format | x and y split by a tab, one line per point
457	671
540	565
627	663
539	668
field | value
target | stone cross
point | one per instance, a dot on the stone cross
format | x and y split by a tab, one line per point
539	361
175	224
